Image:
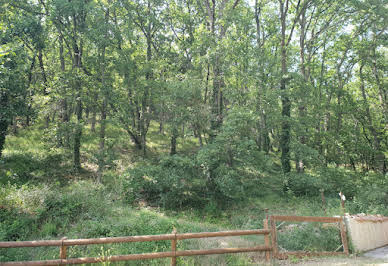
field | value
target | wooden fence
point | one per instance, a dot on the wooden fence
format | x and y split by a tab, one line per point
284	255
173	254
268	247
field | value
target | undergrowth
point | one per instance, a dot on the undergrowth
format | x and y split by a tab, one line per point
41	197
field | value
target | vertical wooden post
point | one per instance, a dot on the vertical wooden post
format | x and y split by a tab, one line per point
63	250
274	238
173	248
343	237
266	240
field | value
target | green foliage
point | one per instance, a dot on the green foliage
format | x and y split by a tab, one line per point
234	99
232	162
24	209
173	182
372	196
15	225
309	237
331	180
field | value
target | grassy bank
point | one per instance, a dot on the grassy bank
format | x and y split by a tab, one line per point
41	197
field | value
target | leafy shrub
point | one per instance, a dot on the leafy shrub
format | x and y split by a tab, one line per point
332	180
309	237
303	184
15	225
171	183
372	195
18	206
232	163
80	200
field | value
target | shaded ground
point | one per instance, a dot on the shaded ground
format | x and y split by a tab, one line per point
336	261
377	256
379	253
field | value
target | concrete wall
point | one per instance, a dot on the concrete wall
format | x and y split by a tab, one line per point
367	232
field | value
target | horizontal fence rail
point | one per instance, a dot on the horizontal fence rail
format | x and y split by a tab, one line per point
64	243
127	239
306	219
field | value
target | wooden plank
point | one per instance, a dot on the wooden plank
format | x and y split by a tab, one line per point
32	263
92	260
24	244
266	240
274	238
139	256
222	251
223	233
110	240
305	219
344	238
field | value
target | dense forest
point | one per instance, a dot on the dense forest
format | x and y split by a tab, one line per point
189	104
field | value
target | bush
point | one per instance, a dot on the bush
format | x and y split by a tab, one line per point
172	183
309	237
15	225
303	184
372	195
28	209
81	200
332	180
232	162
18	207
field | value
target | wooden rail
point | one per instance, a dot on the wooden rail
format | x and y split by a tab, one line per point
173	254
284	255
270	248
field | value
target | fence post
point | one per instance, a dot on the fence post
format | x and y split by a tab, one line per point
343	237
63	250
274	238
266	240
173	248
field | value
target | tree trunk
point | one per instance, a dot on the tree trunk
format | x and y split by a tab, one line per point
101	159
302	108
93	121
286	103
78	129
217	99
379	160
3	133
30	92
78	133
173	141
41	65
